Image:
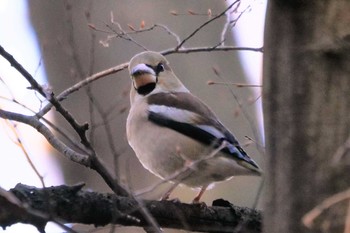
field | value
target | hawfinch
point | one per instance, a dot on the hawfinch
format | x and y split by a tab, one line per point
174	134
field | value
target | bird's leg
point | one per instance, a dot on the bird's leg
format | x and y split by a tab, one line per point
199	195
166	195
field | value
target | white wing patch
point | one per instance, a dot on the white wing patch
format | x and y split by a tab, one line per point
175	114
184	116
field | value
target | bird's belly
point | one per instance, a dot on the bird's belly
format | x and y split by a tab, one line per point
175	157
162	151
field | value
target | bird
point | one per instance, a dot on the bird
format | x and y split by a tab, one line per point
174	134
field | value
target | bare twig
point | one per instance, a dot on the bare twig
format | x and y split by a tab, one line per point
41	128
186	171
341	152
309	217
210	49
245	113
59	130
170	32
210	82
88	160
203	25
19	143
191	13
34	85
227	24
254	129
107	176
153	226
109	135
230	23
63	95
80	129
347	220
88	89
123	34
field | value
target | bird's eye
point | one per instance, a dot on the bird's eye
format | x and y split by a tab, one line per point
159	68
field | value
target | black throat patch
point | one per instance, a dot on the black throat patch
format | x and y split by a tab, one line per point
146	89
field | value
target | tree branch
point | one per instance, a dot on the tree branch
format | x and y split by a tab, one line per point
49	95
43	130
204	24
63	95
210	49
71	204
89	160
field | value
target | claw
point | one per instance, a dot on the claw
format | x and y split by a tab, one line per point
166	195
199	195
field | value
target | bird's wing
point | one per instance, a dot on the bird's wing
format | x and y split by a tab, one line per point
189	116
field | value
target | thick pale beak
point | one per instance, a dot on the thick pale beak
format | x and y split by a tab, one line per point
142	75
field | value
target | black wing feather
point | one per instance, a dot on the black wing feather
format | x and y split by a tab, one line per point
196	133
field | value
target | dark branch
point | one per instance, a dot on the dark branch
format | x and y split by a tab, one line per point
90	160
49	95
34	84
74	205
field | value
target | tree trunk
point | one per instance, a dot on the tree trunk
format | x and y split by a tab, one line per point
306	107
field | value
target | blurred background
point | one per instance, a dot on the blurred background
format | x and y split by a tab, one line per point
63	42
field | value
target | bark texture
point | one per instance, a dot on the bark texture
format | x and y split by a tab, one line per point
306	108
71	204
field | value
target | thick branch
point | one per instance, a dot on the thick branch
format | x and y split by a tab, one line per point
74	205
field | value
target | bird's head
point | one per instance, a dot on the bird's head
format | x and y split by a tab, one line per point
150	73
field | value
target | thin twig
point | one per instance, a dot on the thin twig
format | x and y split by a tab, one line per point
19	143
309	217
123	34
210	49
227	24
341	152
184	172
48	94
107	176
108	131
347	220
88	88
259	146
41	128
89	160
204	24
210	82
245	113
59	130
63	95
